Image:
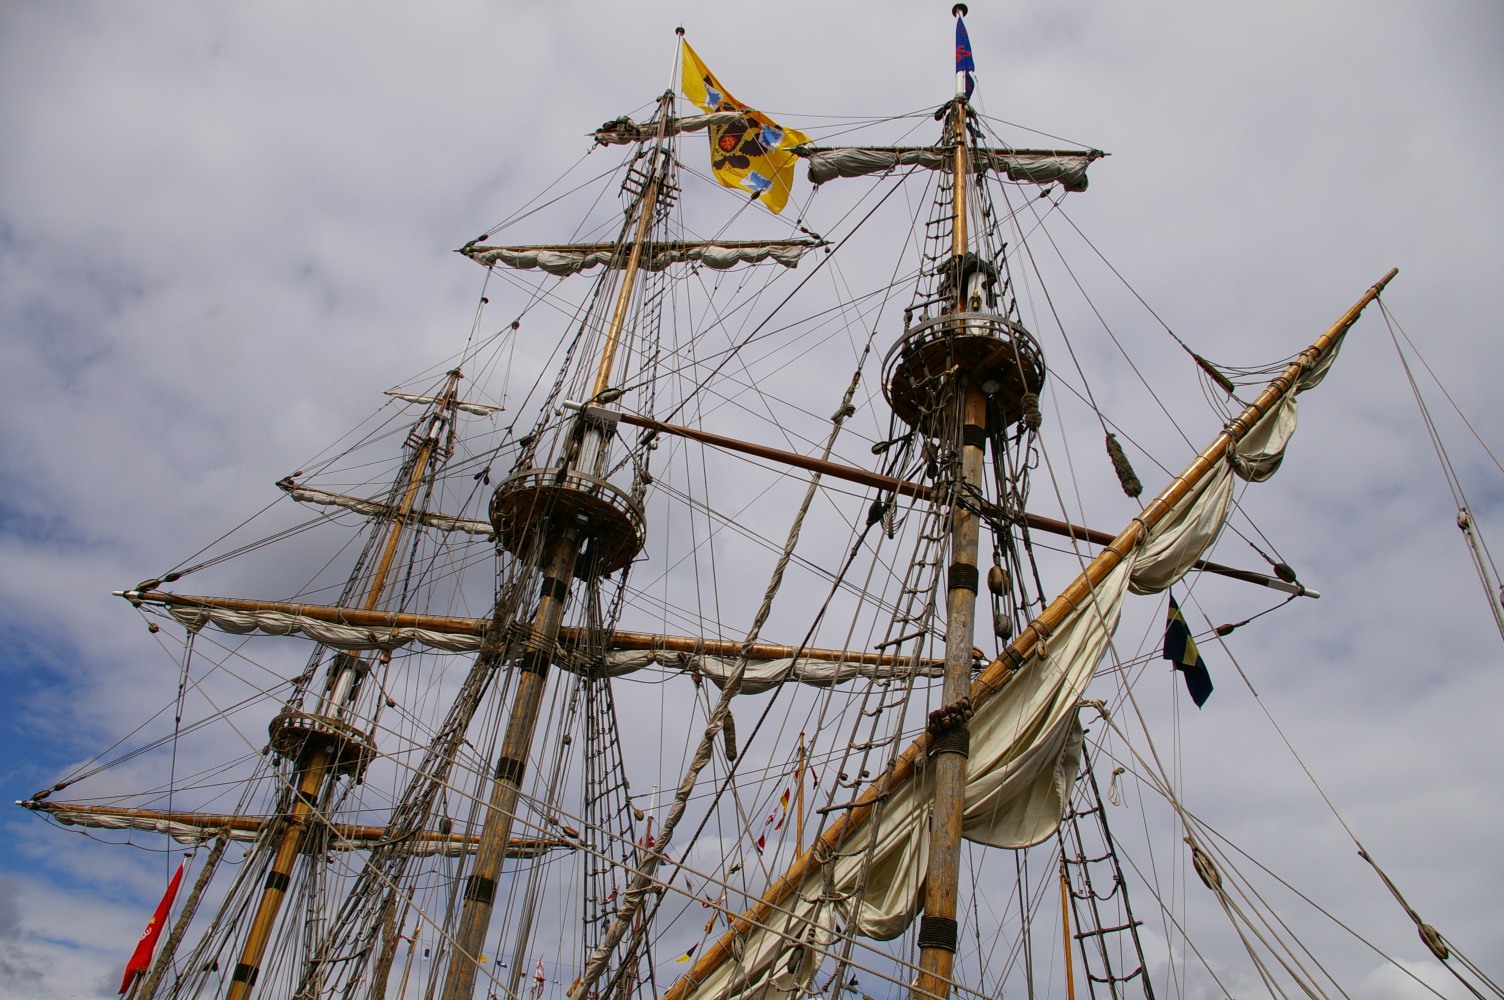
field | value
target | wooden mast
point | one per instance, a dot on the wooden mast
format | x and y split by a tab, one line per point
561	551
948	753
1065	932
320	755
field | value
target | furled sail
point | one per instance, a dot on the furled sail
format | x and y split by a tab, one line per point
377	508
768	666
1037	166
624	130
1180	539
480	409
764	674
336	635
196	828
571	258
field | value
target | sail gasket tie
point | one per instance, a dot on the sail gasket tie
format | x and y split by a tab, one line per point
480	889
938	932
962	577
509	769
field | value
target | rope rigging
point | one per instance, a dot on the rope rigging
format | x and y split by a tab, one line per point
1467	523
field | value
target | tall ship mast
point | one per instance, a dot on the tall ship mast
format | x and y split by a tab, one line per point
704	639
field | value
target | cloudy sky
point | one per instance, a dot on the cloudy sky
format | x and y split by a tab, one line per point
223	227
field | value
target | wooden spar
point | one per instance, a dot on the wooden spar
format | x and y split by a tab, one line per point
649	246
557	566
1065	932
567	634
920	491
420	466
994	678
407	966
560	553
316	762
345	835
799	803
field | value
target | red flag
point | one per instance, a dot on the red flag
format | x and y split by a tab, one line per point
783	809
141	957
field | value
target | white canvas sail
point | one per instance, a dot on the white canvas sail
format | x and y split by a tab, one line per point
1034	166
564	259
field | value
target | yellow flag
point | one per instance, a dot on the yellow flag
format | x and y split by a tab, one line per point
751	153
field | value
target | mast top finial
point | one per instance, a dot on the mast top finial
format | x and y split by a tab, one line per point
679	31
959	10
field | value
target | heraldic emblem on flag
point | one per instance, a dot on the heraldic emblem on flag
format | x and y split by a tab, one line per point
751	153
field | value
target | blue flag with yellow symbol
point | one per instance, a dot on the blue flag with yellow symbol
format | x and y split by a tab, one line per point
1180	650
